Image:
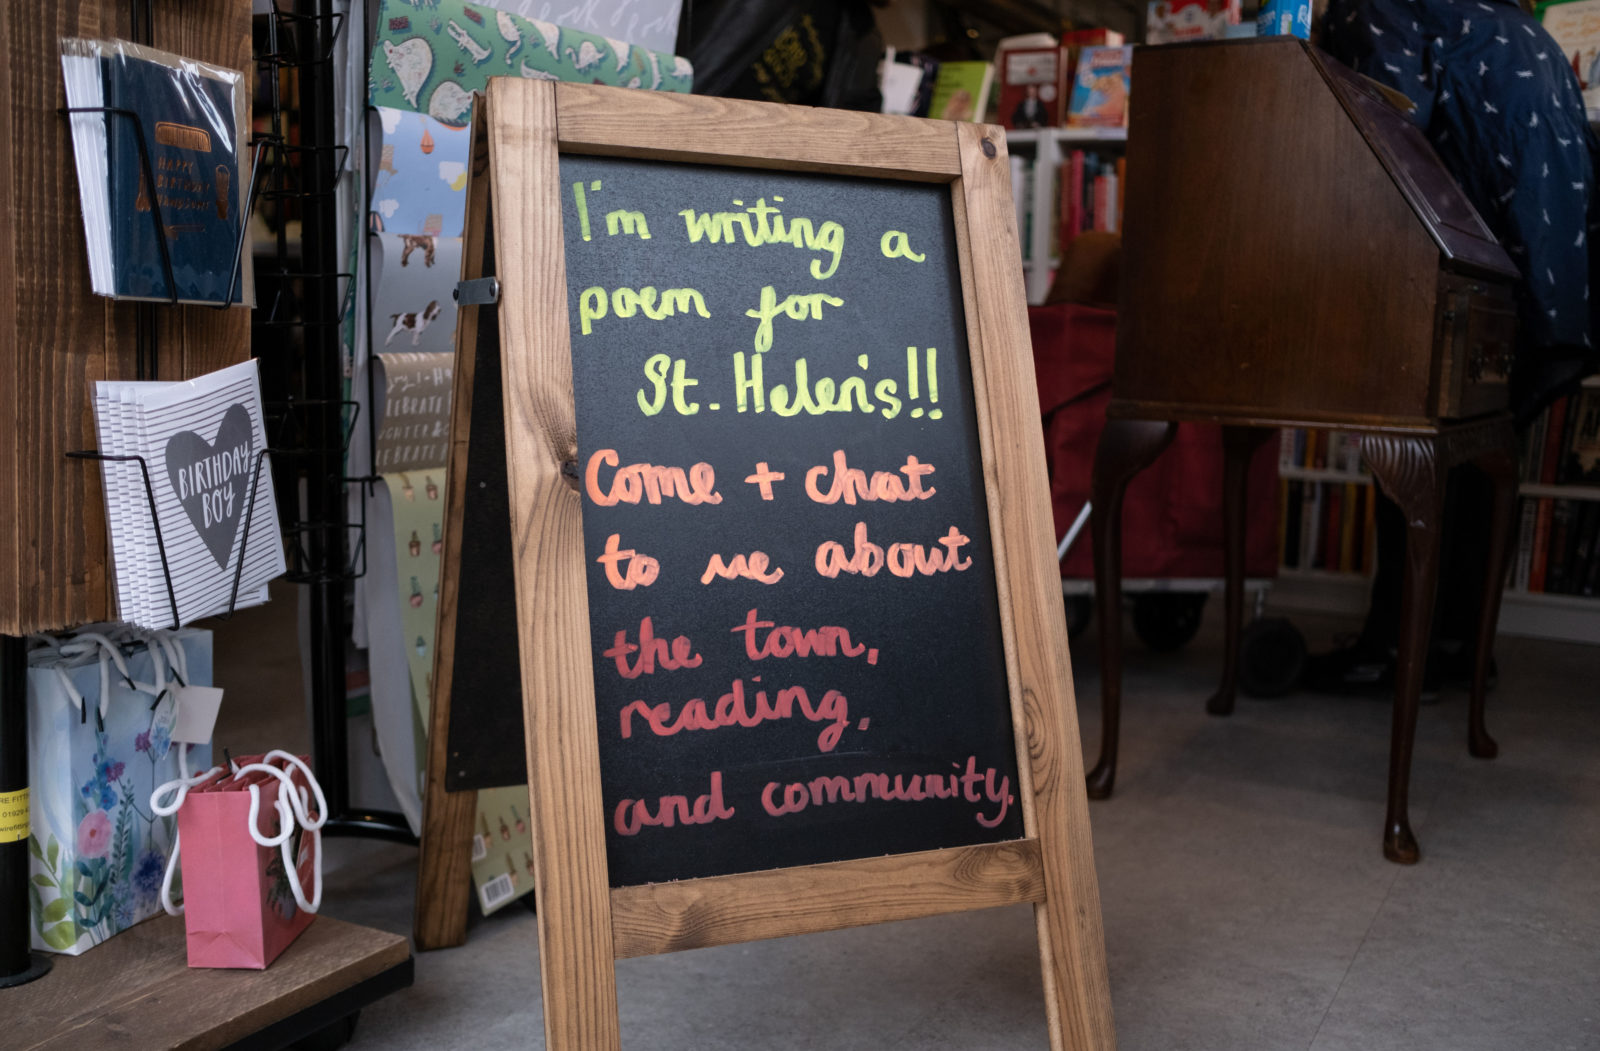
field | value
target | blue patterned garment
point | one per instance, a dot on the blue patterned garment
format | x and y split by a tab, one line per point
1503	110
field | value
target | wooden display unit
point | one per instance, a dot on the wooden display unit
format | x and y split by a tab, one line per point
56	337
1296	255
538	144
56	340
138	991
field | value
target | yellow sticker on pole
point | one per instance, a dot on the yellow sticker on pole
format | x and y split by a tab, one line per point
13	816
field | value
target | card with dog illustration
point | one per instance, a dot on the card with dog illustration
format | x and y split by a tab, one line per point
413	278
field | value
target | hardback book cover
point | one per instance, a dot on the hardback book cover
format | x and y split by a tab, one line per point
1175	21
1101	88
1033	87
1583	439
1575	27
907	82
1075	41
187	118
961	91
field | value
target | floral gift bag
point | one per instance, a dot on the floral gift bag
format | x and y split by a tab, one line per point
101	713
250	846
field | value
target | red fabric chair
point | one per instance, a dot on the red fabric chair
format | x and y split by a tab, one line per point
1172	516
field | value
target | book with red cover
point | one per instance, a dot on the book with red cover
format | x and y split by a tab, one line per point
1550	463
1541	546
1331	527
1033	86
1122	187
1177	21
1072	192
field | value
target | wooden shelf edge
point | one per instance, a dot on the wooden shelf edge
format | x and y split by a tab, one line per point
1559	492
720	910
139	982
1321	474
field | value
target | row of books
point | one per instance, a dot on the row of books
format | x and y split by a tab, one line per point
1562	447
1320	450
1092	192
1036	81
1090	197
1556	552
1325	525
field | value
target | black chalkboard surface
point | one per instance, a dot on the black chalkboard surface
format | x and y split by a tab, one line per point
793	611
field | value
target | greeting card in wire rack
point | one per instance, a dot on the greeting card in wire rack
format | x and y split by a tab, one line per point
203	442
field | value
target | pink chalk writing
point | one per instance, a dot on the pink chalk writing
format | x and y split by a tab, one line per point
734	709
972	786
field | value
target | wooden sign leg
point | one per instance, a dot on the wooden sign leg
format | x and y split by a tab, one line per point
576	950
444	865
1071	940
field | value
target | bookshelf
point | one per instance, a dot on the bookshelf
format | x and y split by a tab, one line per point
1525	611
1047	146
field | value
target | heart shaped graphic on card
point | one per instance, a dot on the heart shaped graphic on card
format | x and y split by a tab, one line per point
212	479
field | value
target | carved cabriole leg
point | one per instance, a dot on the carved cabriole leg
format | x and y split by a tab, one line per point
1239	445
1497	456
1126	447
1407	468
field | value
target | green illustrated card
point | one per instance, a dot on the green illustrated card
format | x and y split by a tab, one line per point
432	59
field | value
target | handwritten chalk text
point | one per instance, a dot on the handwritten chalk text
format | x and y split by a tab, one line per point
971	786
734	708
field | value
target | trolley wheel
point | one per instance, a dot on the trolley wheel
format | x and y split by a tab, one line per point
1080	609
1167	620
331	1037
1272	654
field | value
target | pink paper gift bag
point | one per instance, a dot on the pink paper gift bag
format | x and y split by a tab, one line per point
250	847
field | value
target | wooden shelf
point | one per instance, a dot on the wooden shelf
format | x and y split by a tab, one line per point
1034	135
1560	492
1322	474
1147	585
137	991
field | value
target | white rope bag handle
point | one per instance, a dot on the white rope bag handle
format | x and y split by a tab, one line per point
109	653
178	791
291	805
289	813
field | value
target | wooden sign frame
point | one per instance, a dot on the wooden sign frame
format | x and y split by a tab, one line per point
584	924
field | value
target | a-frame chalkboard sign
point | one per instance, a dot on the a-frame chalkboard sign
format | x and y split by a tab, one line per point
792	651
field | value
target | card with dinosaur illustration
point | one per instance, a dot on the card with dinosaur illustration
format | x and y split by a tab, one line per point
430	59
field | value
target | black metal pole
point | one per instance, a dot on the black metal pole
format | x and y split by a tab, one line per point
17	964
324	375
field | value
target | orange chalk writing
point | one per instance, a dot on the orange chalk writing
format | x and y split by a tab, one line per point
902	560
631	815
752	568
764	477
780	800
764	638
626	569
851	483
651	650
649	482
736	708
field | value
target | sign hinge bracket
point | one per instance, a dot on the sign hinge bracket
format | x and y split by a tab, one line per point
482	291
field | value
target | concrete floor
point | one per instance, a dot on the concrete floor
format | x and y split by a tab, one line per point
1246	901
